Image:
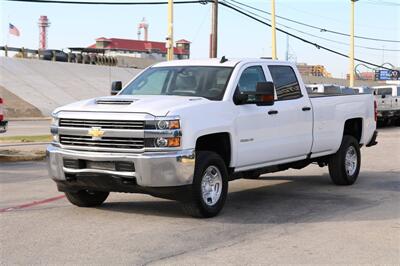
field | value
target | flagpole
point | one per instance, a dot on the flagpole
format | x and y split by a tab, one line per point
8	31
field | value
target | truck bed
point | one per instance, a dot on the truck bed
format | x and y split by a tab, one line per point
331	110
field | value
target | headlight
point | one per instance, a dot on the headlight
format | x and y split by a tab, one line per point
163	132
163	124
168	142
54	128
54	121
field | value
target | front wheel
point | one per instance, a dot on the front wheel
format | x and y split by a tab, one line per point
86	198
210	186
344	165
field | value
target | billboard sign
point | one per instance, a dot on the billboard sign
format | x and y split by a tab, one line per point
386	74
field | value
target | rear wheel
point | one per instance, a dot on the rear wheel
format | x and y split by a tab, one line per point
210	186
86	198
344	165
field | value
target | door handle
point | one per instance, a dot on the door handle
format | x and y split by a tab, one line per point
272	112
306	108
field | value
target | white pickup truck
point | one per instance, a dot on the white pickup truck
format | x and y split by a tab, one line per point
388	100
182	129
3	121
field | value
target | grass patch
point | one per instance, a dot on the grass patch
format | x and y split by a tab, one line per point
38	138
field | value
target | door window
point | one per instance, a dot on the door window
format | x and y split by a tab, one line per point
286	85
250	77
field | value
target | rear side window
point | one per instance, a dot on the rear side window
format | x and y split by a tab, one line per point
286	85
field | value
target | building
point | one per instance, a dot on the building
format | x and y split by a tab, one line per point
140	49
366	75
313	70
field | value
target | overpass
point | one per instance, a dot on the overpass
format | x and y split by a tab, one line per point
46	85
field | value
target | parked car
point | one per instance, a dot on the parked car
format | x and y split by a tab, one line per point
347	90
48	55
388	99
363	89
3	121
182	129
323	88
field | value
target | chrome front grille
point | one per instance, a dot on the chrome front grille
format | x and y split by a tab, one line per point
104	124
104	142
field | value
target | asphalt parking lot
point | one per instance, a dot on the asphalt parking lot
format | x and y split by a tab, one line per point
290	217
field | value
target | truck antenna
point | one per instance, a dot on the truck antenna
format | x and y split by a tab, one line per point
223	60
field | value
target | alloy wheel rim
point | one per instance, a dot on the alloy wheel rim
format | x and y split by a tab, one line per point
351	161
211	185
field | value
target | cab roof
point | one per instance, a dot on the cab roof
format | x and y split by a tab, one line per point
217	62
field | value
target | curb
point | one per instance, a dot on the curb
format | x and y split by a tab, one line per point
21	158
28	118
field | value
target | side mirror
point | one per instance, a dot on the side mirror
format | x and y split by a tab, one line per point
264	95
116	87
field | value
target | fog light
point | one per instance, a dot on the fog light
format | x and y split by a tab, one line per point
55	138
161	142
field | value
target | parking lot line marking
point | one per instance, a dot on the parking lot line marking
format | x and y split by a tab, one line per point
31	204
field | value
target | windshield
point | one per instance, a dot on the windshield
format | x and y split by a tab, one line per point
383	91
201	81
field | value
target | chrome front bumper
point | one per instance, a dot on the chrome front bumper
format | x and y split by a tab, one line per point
156	169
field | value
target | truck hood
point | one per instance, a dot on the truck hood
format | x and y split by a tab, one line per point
156	105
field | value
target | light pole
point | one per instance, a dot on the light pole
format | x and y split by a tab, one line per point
351	56
214	30
274	57
170	37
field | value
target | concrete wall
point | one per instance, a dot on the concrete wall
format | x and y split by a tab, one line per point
47	85
16	107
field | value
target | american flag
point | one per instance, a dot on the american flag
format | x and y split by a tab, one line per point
13	30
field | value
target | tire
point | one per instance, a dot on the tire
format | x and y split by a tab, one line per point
340	174
86	198
207	164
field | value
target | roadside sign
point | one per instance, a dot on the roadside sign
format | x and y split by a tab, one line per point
385	74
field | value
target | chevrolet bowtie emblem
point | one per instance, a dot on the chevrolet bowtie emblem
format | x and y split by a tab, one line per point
96	133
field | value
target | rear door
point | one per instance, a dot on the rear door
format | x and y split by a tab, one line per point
294	119
383	96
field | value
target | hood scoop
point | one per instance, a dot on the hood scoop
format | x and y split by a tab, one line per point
113	101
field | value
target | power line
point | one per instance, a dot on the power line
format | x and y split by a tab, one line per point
312	35
382	3
299	38
315	27
109	3
205	2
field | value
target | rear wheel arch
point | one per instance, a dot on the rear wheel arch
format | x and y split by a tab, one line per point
353	127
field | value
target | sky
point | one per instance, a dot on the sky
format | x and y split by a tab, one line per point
239	37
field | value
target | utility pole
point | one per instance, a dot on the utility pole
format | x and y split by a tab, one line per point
274	57
287	48
214	30
351	68
170	38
